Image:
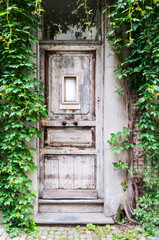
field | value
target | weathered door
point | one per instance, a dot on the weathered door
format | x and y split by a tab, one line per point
69	159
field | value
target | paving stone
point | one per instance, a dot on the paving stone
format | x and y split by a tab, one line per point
1	232
51	233
23	235
4	238
67	233
45	228
39	233
45	232
17	238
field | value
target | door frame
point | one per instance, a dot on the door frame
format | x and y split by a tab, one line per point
67	46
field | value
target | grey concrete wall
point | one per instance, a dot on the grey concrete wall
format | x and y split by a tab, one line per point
114	120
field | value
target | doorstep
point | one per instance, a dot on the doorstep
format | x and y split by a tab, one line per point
72	218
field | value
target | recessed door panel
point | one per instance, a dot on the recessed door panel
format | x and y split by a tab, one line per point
74	171
70	137
71	85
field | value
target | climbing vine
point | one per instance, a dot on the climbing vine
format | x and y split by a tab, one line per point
134	37
21	104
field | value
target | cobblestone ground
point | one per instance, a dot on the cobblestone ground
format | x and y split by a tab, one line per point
80	233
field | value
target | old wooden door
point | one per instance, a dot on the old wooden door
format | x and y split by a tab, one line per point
69	165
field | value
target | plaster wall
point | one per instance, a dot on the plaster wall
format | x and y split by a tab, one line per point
114	120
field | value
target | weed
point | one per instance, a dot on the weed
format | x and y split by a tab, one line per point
91	227
56	229
138	230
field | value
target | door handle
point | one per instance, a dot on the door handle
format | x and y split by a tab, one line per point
64	123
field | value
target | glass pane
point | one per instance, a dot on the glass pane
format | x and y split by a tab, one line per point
65	20
70	89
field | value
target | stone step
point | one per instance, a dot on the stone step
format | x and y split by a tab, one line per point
81	201
72	218
70	206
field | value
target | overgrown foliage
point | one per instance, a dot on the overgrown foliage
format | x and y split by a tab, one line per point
21	104
63	17
134	34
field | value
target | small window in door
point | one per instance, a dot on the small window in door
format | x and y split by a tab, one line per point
70	93
68	20
70	90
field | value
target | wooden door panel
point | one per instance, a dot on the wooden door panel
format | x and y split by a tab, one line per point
51	173
70	137
79	66
70	172
84	172
65	170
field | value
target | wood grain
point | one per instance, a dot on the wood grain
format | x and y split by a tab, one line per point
70	136
75	194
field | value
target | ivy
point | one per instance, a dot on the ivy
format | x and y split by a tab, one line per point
134	36
21	104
